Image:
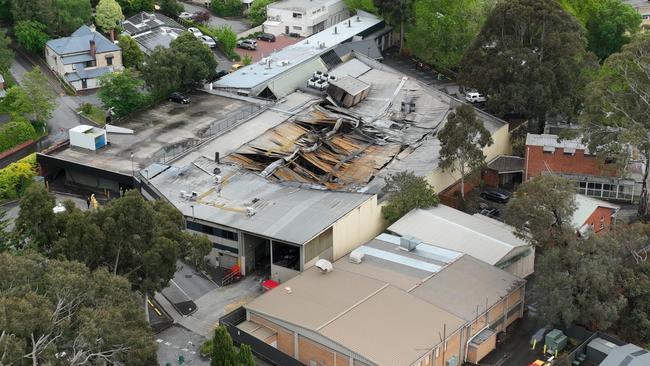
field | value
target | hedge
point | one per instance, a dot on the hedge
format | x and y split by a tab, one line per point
16	132
15	177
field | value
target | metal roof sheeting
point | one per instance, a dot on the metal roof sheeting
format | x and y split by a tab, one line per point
627	355
554	141
585	207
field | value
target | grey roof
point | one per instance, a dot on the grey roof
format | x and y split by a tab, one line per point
367	47
158	37
466	285
82	73
585	207
79	41
281	212
143	22
258	73
507	164
67	60
554	141
350	85
627	355
301	5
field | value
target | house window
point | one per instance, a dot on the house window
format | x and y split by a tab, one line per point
569	151
109	60
295	27
221	233
549	149
297	15
84	84
91	63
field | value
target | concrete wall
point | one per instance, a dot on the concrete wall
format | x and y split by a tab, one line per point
357	227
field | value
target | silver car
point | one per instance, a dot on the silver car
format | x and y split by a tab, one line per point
208	41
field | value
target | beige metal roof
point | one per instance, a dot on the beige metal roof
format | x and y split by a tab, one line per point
466	285
449	228
392	328
351	85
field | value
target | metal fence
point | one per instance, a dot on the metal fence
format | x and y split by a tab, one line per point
259	348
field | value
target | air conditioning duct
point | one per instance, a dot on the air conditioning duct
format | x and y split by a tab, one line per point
356	256
408	243
324	266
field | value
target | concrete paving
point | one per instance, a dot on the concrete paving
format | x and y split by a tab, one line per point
238	25
13	208
177	341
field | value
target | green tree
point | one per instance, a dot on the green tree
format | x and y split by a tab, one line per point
62	307
121	91
132	55
170	8
162	72
6	54
247	60
541	211
5	11
38	10
131	7
609	23
36	223
399	13
32	35
365	5
223	350
257	11
530	58
5	233
443	29
15	132
228	8
245	356
61	17
227	37
617	109
109	16
405	192
462	140
16	177
37	99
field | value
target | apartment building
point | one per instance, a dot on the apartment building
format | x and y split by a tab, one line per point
303	17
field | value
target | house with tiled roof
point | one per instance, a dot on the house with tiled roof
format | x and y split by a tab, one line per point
83	57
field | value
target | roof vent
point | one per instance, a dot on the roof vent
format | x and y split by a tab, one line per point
356	256
358	19
324	266
250	211
287	289
336	30
408	243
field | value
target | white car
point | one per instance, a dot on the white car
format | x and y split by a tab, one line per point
185	15
208	41
195	31
475	97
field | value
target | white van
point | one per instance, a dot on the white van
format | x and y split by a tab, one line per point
475	97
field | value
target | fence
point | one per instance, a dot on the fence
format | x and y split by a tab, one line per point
259	348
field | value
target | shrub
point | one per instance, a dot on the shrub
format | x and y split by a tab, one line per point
16	132
227	8
17	176
247	60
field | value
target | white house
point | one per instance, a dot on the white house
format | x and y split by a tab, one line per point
83	57
303	17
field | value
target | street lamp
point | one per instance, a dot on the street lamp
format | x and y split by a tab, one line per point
132	167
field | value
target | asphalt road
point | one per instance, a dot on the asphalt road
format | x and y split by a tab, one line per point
237	25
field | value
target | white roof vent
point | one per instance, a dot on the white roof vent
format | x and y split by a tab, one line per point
408	243
250	211
324	265
283	63
356	256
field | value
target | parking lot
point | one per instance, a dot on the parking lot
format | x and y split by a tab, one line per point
187	286
264	48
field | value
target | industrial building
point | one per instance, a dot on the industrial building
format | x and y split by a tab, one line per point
484	238
393	301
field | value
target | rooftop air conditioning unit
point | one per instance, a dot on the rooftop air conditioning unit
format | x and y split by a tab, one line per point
324	265
356	256
408	243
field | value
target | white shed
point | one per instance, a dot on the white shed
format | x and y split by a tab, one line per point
87	137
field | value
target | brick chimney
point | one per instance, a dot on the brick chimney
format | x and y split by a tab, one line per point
93	48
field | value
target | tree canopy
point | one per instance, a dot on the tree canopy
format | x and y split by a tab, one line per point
132	55
609	23
462	140
32	35
365	5
405	192
121	91
109	16
53	308
398	12
616	114
257	11
131	7
61	17
530	59
541	211
170	8
6	54
37	101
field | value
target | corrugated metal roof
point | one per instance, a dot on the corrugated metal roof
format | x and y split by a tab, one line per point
507	164
76	59
350	85
453	229
627	355
585	206
282	212
554	141
79	41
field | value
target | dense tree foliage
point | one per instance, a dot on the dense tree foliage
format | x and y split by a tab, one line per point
226	37
462	140
6	54
609	23
121	92
170	8
109	16
58	309
32	35
131	7
399	12
405	192
541	211
61	17
257	11
38	100
132	55
365	5
444	29
227	8
131	237
617	109
530	58
15	132
16	177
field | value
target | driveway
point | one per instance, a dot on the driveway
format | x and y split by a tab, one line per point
238	25
265	49
407	66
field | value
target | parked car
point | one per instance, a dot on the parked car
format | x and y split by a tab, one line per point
268	37
475	97
235	67
248	44
186	16
490	212
179	98
220	74
208	41
195	31
495	195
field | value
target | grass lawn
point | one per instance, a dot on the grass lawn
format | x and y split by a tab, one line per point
95	114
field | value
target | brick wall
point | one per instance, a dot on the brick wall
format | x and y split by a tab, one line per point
311	351
595	219
537	161
285	337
